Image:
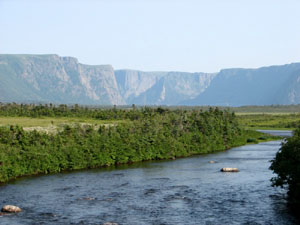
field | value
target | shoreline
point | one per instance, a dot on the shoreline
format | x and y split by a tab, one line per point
115	166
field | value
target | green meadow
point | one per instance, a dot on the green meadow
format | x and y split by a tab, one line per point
276	121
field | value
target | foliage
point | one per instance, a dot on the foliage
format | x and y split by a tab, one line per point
260	109
286	165
249	140
149	133
152	134
270	121
73	111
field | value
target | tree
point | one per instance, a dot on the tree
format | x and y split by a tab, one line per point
286	165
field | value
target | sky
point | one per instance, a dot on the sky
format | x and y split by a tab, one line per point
155	35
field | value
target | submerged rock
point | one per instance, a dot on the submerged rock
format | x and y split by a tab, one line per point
11	209
109	223
87	198
211	161
229	170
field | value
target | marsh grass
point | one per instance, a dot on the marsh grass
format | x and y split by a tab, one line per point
264	121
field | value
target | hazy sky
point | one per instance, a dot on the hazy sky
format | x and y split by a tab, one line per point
182	35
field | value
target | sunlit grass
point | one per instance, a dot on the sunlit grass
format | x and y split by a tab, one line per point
279	121
50	121
264	113
253	121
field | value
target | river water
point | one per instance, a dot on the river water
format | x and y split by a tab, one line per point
182	191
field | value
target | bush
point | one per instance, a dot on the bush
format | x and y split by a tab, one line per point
286	165
251	140
263	138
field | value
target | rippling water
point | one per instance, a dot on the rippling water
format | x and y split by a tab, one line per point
183	191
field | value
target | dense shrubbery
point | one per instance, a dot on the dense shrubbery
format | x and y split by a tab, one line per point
159	134
50	110
151	134
287	167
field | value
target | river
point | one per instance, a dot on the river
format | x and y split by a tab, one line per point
183	191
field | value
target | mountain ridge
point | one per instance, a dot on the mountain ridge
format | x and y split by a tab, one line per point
55	79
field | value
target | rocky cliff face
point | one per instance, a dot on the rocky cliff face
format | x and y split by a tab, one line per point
263	86
290	91
50	78
160	88
133	83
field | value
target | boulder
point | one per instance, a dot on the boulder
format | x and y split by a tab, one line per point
229	170
11	209
211	161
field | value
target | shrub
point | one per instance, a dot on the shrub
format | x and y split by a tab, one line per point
250	140
263	138
286	165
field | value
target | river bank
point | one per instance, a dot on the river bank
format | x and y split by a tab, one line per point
74	152
184	191
152	134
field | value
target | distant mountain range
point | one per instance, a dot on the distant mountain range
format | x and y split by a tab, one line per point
50	78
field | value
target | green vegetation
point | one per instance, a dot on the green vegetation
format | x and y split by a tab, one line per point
48	121
287	167
111	137
267	109
53	124
40	110
269	121
252	109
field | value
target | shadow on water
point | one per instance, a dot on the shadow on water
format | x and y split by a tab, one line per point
185	191
282	207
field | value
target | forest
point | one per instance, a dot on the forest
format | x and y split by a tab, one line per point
145	134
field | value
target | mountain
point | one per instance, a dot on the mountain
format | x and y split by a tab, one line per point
290	92
55	79
160	88
263	86
50	78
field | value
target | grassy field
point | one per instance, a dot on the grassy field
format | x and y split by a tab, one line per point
277	117
253	121
50	124
278	121
271	109
49	119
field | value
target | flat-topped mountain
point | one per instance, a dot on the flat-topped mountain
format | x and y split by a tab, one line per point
50	78
262	86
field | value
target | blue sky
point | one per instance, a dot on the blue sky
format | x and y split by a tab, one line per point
180	35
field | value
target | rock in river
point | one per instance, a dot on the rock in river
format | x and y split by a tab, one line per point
11	209
229	170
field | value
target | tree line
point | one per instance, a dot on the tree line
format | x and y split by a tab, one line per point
151	134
